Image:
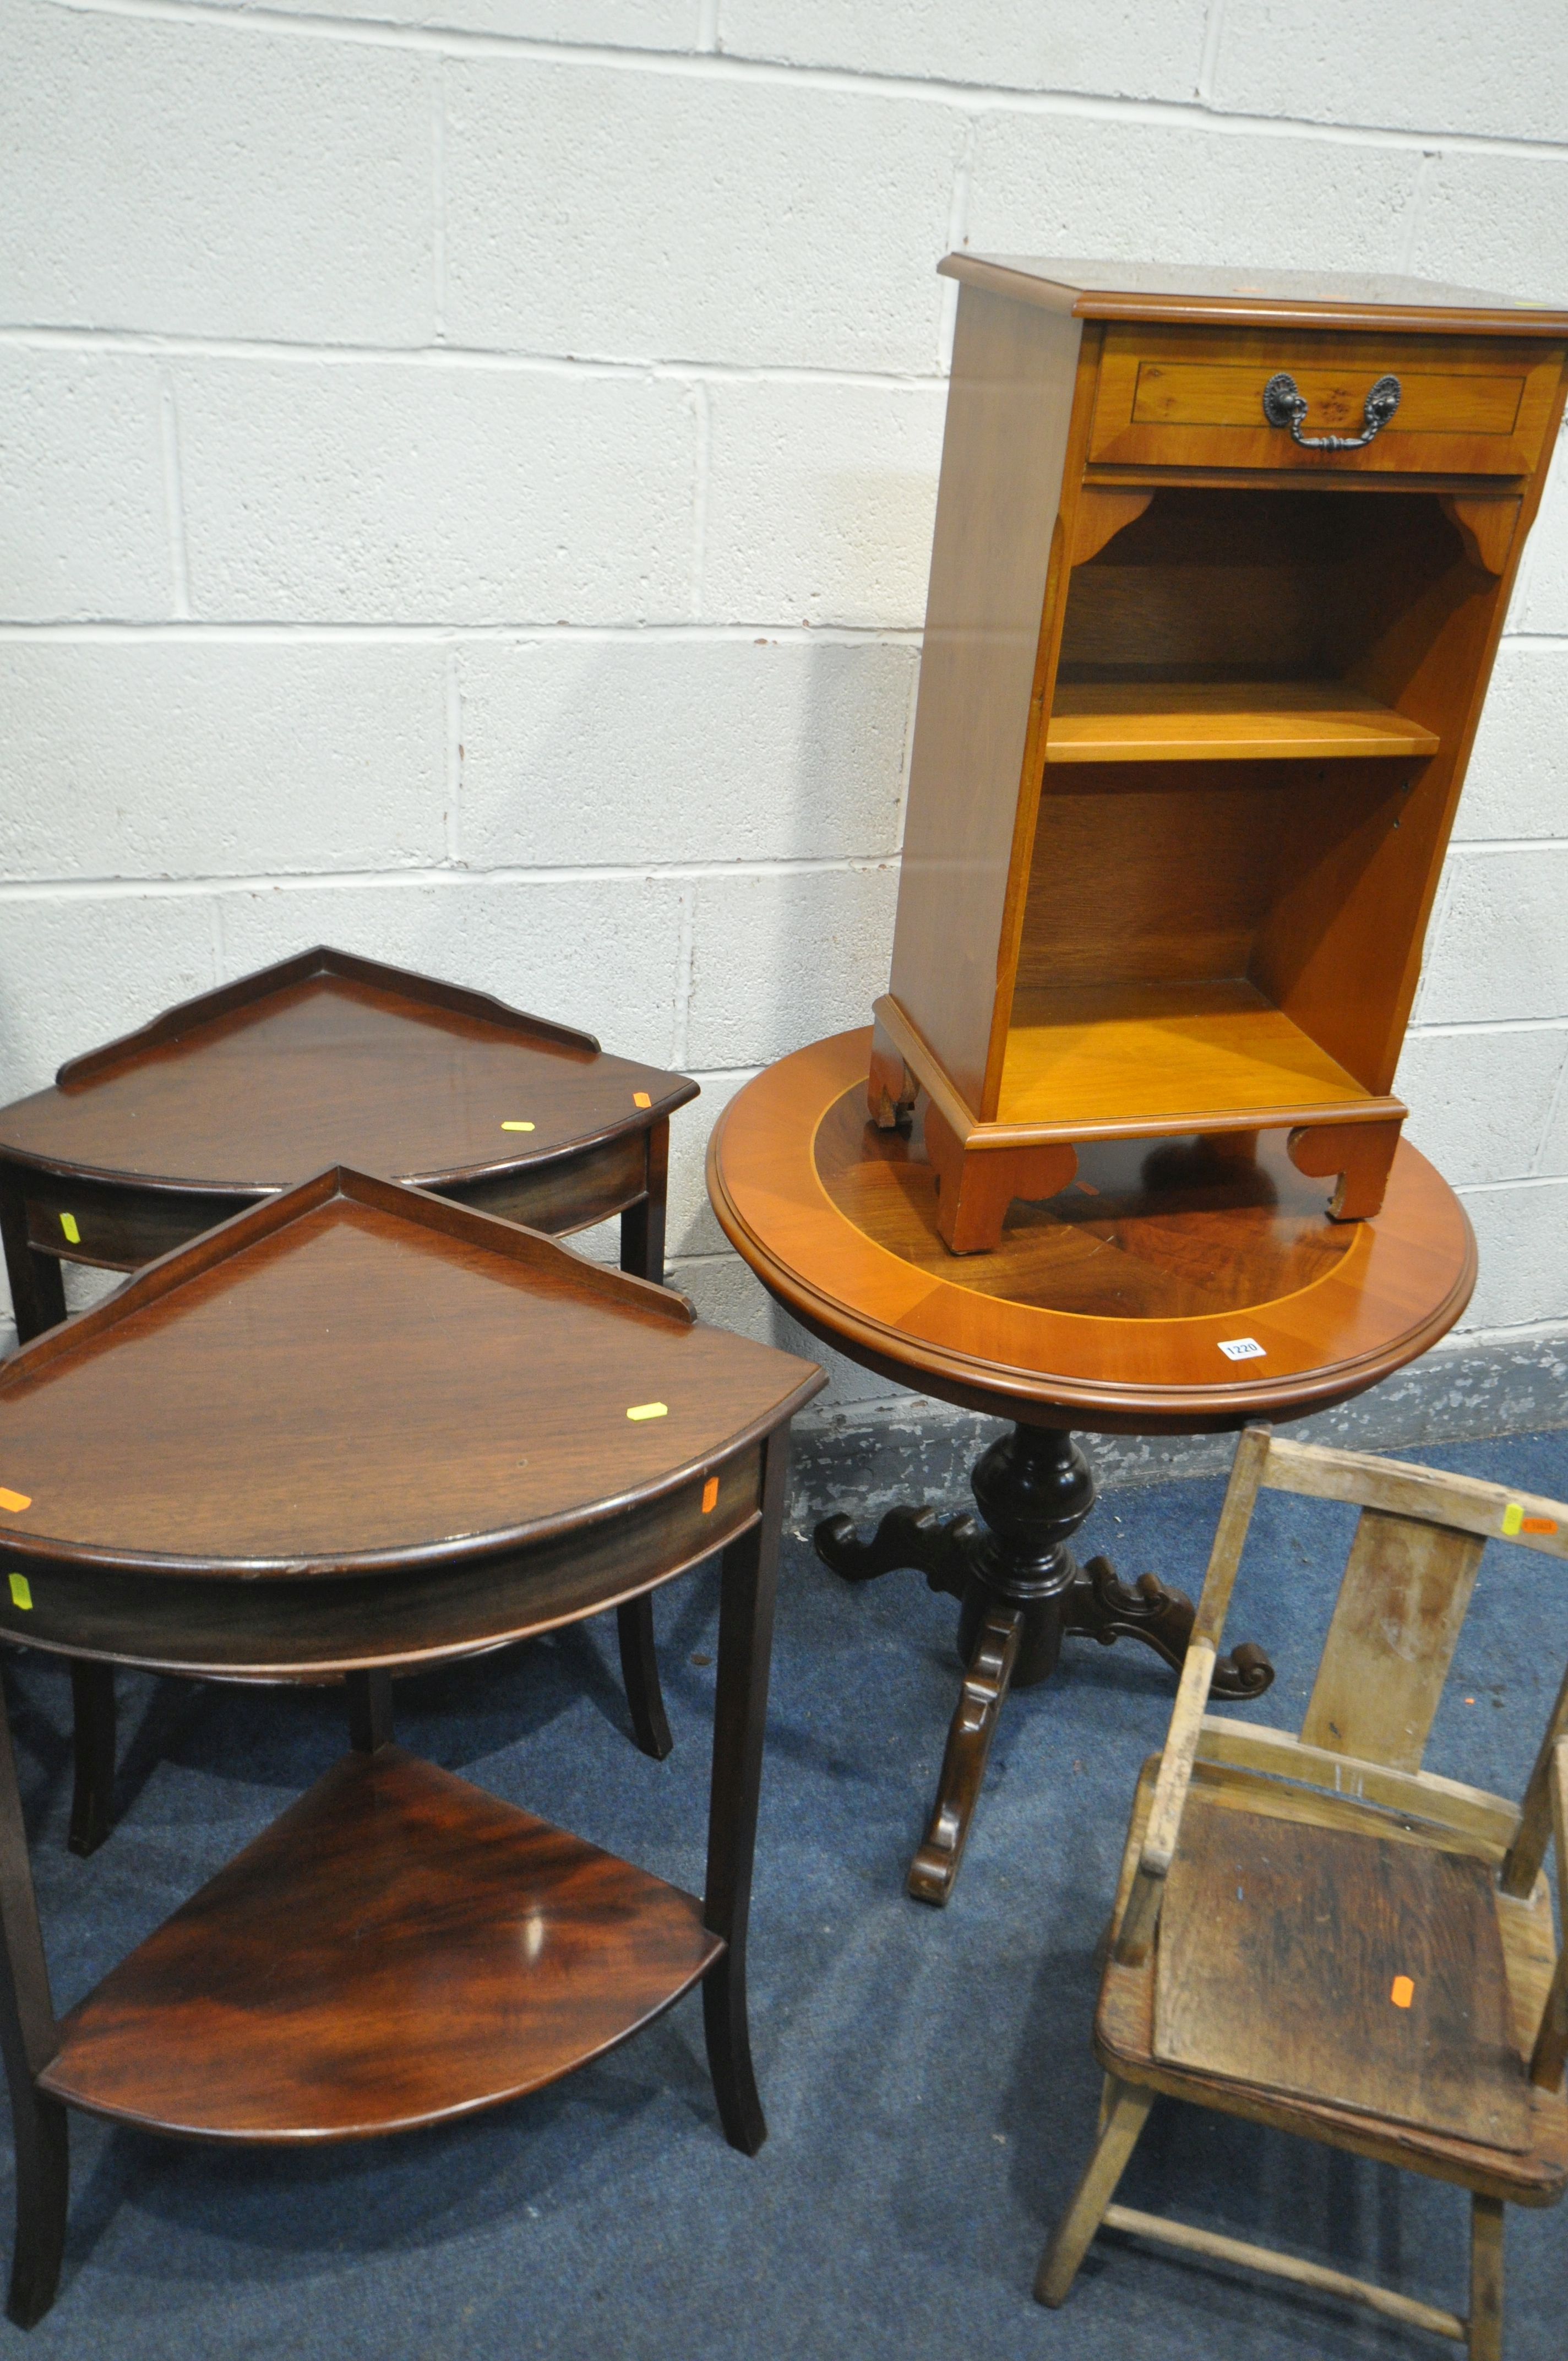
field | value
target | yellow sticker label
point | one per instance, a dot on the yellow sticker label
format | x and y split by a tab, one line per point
710	1496
14	1501
72	1235
1403	1992
641	1098
1513	1517
516	1127
649	1410
21	1591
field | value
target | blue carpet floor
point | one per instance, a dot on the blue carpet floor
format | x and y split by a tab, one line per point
926	2075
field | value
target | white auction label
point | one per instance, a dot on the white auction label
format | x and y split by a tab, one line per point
1244	1348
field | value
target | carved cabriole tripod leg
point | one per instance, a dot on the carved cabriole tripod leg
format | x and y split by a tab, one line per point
29	2040
933	1870
642	1254
1022	1591
975	1187
749	1584
1361	1154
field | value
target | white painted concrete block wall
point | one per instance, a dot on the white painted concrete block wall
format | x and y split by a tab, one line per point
466	471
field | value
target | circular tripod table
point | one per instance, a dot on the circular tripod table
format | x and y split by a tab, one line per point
146	1142
1176	1286
356	1430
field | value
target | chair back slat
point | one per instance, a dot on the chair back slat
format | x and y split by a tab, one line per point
1402	1600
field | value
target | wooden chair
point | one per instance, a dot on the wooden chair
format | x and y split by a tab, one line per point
1314	1933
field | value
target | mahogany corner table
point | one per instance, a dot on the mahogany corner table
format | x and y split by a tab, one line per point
355	1430
1176	1286
323	1059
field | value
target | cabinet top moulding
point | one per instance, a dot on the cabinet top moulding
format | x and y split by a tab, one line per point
1199	296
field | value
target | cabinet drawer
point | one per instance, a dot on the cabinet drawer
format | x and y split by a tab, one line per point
1178	398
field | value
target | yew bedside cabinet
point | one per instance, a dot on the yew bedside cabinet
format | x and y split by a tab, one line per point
1220	567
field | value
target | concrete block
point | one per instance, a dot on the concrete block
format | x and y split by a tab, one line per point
1521	1236
200	180
807	221
1059	184
587	751
1442	65
1499	223
1553	1155
1518	779
1480	1101
783	960
820	502
1541	594
383	492
1501	950
165	759
82	529
691	1227
79	969
728	1295
601	953
618	24
1118	48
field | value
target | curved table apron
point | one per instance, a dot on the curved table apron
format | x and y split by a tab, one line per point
1104	1310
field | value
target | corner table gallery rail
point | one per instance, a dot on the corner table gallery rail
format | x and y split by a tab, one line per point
1176	1286
325	1059
356	1429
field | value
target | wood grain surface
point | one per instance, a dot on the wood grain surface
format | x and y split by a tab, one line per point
348	1062
354	1376
1105	1308
396	1949
1281	1945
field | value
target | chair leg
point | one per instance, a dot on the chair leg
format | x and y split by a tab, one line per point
1485	2322
640	1671
1123	2112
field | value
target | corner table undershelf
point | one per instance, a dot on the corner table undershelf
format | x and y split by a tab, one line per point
356	1430
324	1059
1178	1287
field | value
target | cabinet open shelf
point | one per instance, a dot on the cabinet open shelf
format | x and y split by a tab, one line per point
1115	1053
1233	720
398	1949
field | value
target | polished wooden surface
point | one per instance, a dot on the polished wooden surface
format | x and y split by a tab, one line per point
330	1058
1316	1933
354	1376
396	1949
1105	1308
1228	297
1178	397
1224	721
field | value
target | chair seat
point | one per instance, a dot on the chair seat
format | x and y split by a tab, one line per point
1270	1989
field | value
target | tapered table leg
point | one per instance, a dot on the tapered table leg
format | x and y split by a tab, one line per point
749	1586
93	1744
28	2040
642	1255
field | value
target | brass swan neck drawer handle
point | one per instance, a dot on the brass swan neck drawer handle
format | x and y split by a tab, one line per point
1284	405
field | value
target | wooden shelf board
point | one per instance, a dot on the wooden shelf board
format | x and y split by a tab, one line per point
399	1948
1123	1052
1163	721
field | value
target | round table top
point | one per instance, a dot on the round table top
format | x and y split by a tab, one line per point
326	1059
1109	1308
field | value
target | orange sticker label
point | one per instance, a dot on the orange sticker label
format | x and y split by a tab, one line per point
710	1496
641	1098
1403	1992
14	1501
1537	1525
